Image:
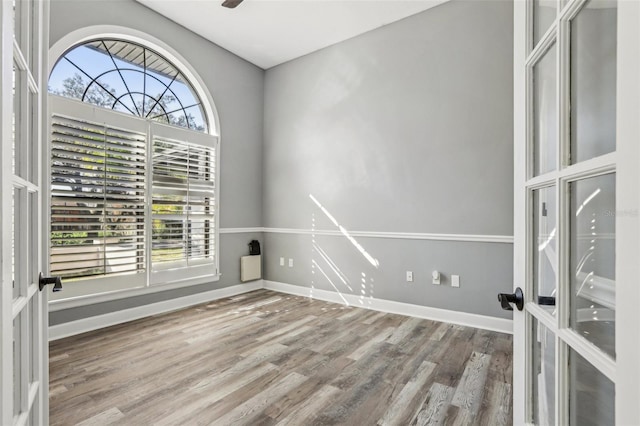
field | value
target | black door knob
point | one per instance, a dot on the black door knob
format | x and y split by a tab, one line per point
516	298
56	281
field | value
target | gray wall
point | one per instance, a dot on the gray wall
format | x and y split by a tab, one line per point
407	128
237	88
335	264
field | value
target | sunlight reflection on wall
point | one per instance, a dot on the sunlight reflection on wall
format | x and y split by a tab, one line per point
320	261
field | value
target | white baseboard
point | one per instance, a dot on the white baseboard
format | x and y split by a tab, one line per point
113	318
454	317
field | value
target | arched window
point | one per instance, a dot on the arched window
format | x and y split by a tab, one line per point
129	78
133	172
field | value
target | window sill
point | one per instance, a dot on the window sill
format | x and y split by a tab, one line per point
90	299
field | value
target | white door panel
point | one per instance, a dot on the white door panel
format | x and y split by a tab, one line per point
23	347
576	114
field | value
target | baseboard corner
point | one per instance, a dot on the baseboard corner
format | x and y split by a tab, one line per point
483	322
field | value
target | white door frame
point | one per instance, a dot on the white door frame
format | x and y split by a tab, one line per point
628	212
625	371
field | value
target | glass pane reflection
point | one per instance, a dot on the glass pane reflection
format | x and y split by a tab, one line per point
592	394
543	383
15	238
17	367
545	120
593	81
592	257
544	250
544	13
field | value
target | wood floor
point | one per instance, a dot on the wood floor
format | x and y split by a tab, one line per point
266	358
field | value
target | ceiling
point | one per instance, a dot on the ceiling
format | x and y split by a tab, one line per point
270	32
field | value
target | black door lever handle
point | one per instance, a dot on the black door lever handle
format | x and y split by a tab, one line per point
546	301
516	298
56	281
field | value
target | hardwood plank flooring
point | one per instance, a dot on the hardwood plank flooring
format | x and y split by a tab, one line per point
265	358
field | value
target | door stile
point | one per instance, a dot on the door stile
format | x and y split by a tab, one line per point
6	189
41	361
522	144
562	213
628	215
562	300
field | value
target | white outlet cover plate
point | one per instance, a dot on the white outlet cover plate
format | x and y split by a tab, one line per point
455	280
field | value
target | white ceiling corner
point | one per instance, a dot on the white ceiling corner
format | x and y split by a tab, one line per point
270	32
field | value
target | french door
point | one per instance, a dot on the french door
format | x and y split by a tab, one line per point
576	97
23	307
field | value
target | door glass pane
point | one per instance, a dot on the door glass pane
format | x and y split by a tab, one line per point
33	152
18	242
543	378
17	367
592	258
16	288
592	395
32	237
34	322
19	134
593	81
23	23
32	49
544	250
544	13
13	122
34	414
18	7
545	120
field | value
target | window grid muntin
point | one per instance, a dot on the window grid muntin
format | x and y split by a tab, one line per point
189	121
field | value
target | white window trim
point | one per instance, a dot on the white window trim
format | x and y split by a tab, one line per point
123	33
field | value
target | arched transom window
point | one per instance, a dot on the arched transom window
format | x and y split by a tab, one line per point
129	78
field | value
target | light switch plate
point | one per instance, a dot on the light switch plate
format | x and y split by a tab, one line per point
409	276
282	261
290	263
455	280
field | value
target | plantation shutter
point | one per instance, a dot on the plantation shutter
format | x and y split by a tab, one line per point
97	199
183	203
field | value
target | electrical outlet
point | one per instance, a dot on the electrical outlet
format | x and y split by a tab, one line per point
455	280
409	276
282	261
290	263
